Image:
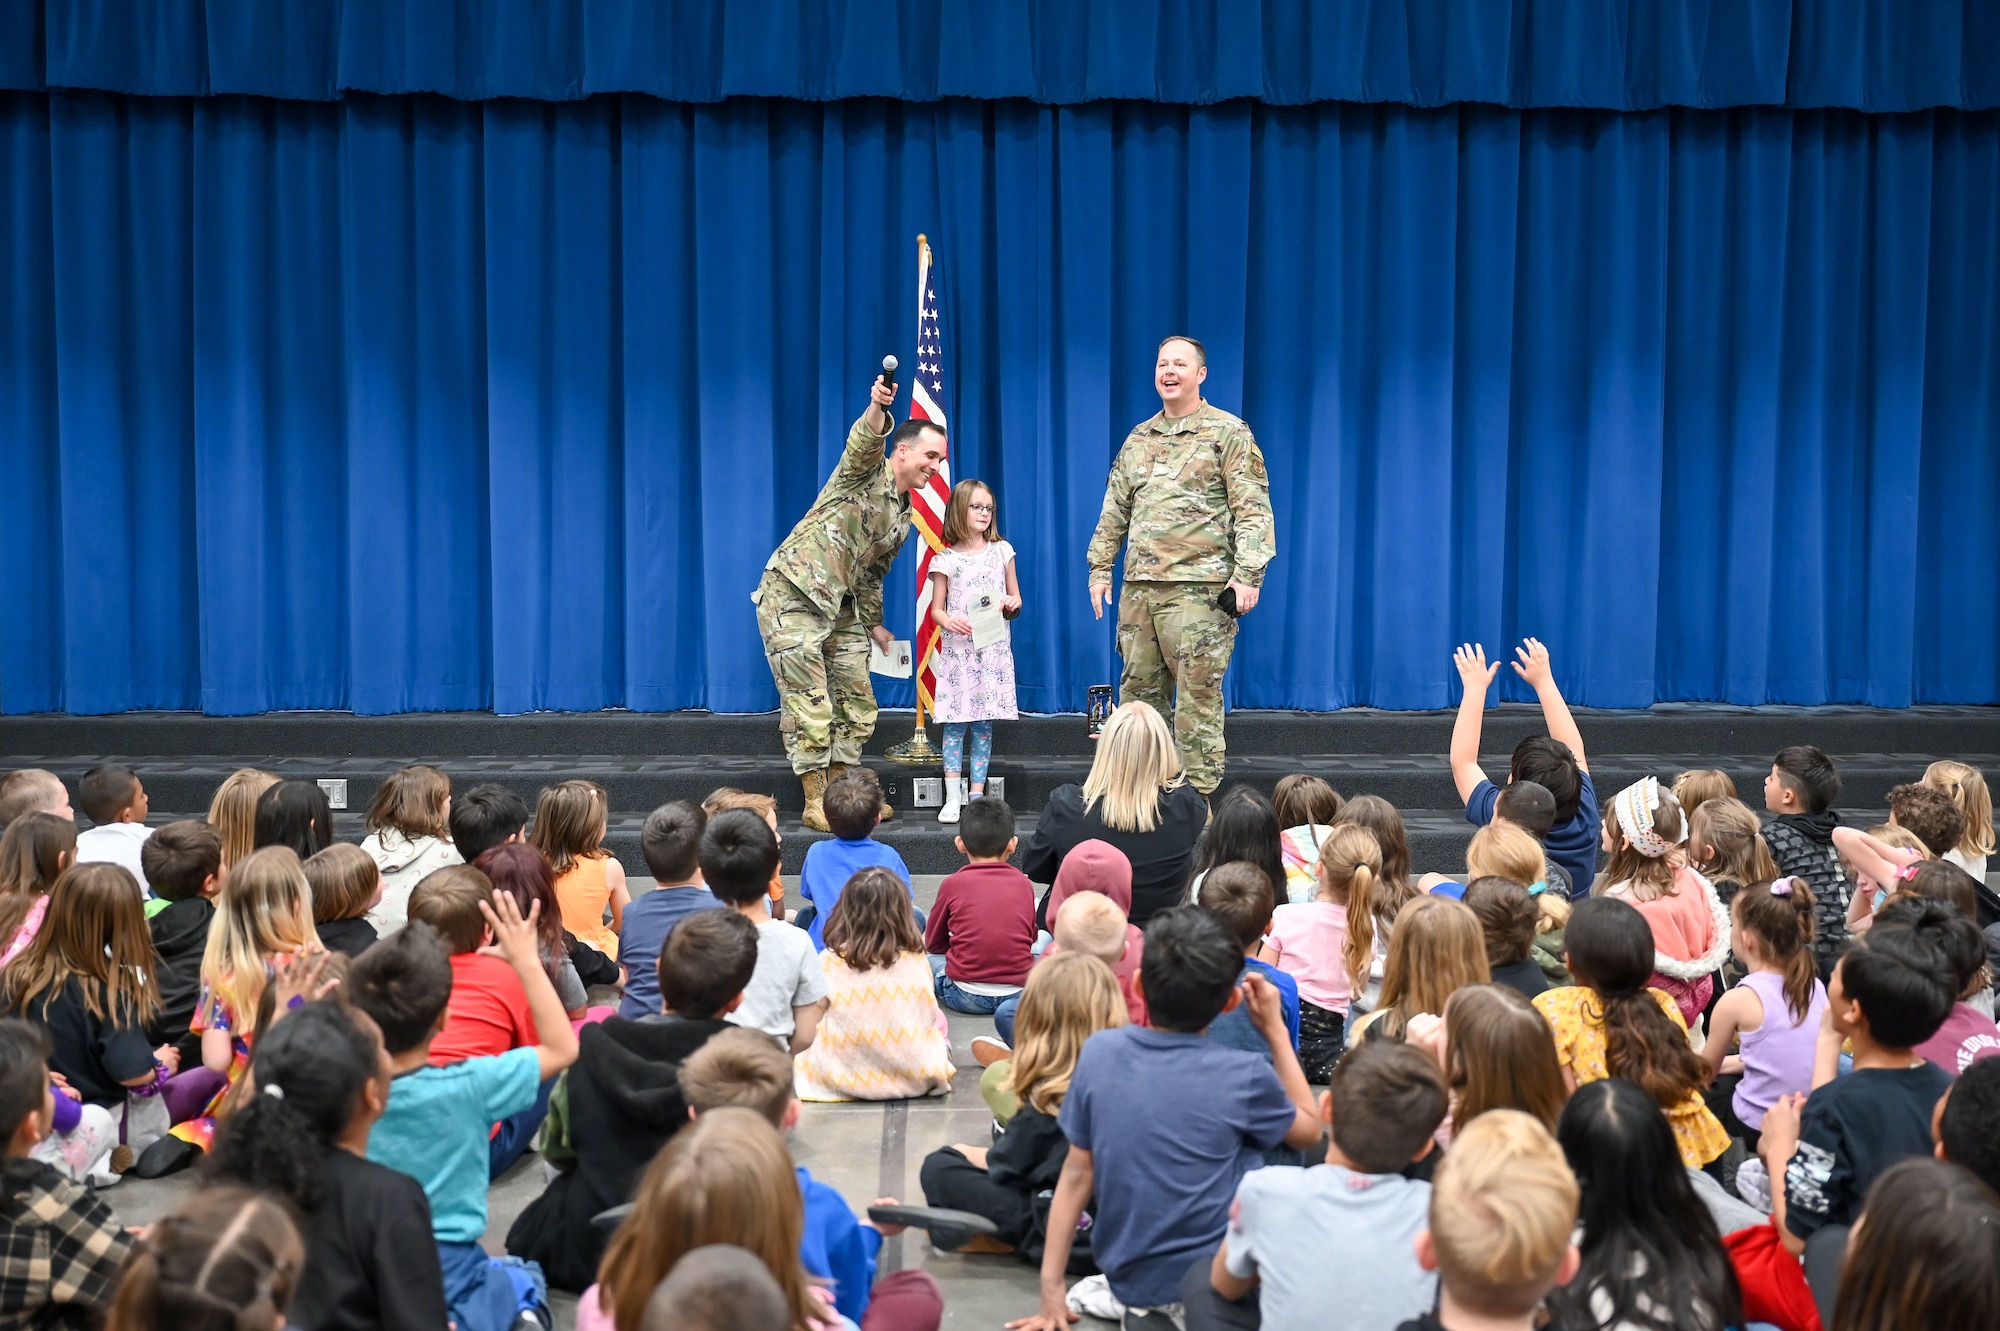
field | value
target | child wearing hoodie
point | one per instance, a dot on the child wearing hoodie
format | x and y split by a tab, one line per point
409	837
1800	790
1093	866
184	864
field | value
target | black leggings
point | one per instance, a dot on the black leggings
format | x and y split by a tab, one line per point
1320	1041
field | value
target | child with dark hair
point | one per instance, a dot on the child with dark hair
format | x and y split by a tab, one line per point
34	851
1926	1253
1306	807
1244	828
116	803
1529	806
439	1120
1555	761
853	807
346	885
1890	992
1509	920
1800	790
1968	1122
1338	1235
225	1260
1967	1035
1930	814
322	1080
294	814
981	933
622	1100
1163	1123
1774	1015
409	838
786	996
671	844
486	816
184	865
1241	896
523	873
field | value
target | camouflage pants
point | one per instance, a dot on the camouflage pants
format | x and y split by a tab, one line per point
825	700
1176	644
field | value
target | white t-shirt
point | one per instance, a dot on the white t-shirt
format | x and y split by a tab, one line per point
788	975
114	843
1972	864
1327	1237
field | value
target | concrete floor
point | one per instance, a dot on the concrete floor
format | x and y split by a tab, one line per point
864	1150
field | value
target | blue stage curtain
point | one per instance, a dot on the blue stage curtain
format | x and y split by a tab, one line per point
409	403
1620	55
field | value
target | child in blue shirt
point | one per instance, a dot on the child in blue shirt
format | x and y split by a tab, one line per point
670	842
1240	895
853	806
438	1120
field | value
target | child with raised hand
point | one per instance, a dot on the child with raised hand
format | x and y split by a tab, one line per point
1642	830
323	1080
975	684
346	886
1800	790
1925	1253
1306	807
409	838
1774	1014
1436	948
438	1120
1338	1235
34	851
883	1036
1611	1024
571	821
1878	862
1326	945
1555	761
1966	787
116	802
226	1260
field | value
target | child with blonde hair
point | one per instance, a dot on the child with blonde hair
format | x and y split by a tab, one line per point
1878	862
1643	830
409	838
724	798
1725	844
1967	788
1328	944
233	812
1435	949
1699	785
975	684
571	820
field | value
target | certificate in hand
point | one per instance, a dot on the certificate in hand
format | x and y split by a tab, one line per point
988	624
892	662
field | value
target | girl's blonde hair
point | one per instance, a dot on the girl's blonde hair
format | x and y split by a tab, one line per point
264	910
1651	876
343	879
1501	850
1069	998
873	922
1967	787
1435	949
1350	862
1500	1054
1136	760
1733	839
35	850
958	512
94	933
233	812
726	1179
570	820
416	801
1697	786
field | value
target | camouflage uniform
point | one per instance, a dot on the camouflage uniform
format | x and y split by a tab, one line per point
1194	498
821	592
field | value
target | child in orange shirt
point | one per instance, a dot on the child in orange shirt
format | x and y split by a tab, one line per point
571	820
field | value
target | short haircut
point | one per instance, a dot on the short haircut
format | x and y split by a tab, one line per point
24	1071
1200	351
1190	968
1898	972
1548	762
912	430
30	790
107	791
707	960
1241	896
1808	773
415	801
853	803
1969	1129
484	817
448	900
719	1287
739	853
986	826
670	842
403	983
1932	816
1093	924
1529	806
1503	1205
742	1067
343	879
1388	1098
180	857
729	797
1508	917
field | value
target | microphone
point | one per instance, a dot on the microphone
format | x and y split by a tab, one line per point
889	371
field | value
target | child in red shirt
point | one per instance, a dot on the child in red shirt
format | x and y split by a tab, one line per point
981	932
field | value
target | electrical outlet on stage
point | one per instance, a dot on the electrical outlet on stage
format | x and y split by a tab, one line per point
892	791
927	792
336	791
996	786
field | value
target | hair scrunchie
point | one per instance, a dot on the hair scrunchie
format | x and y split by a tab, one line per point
1634	806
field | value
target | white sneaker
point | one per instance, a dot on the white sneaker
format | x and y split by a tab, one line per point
954	799
1753	1184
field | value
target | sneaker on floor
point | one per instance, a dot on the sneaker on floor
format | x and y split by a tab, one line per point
990	1049
1092	1297
102	1177
1169	1318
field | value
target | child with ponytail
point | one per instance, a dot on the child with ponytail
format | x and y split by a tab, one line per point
1328	944
1643	831
1774	1014
227	1260
1611	1024
1967	788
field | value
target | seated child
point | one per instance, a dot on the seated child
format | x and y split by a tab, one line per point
1497	1053
1509	920
116	803
1090	923
1642	829
1968	1035
184	866
747	1071
883	1036
981	931
1698	785
1528	807
34	851
853	808
1966	787
1726	845
724	798
1774	1014
1100	868
572	819
439	1120
1878	862
623	1098
1241	896
409	838
32	790
787	993
346	885
1342	1234
68	1247
486	816
1503	1208
1801	789
1925	810
1926	1253
671	845
1435	949
1890	992
719	1287
519	870
225	1257
1306	807
1163	1123
1327	944
1069	998
1968	1123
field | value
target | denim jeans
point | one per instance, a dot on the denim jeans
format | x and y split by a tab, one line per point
956	999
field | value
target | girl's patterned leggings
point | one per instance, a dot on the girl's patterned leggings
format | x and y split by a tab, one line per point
954	748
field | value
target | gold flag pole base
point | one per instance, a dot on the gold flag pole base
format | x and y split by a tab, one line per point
917	750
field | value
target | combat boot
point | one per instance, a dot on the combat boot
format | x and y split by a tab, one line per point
815	787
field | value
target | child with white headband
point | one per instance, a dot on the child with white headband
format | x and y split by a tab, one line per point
1643	831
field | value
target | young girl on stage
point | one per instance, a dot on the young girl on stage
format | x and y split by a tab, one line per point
975	685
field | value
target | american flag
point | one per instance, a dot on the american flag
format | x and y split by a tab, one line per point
927	501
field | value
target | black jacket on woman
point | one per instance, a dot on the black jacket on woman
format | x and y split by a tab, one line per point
1160	858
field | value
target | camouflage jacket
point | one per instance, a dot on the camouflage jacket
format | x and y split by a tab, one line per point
1193	496
845	543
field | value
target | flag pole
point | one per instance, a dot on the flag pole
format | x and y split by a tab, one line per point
917	750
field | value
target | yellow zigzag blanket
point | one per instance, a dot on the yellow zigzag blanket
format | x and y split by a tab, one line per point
883	1036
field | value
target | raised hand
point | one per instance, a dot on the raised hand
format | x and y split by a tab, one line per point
1473	672
513	937
1532	664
